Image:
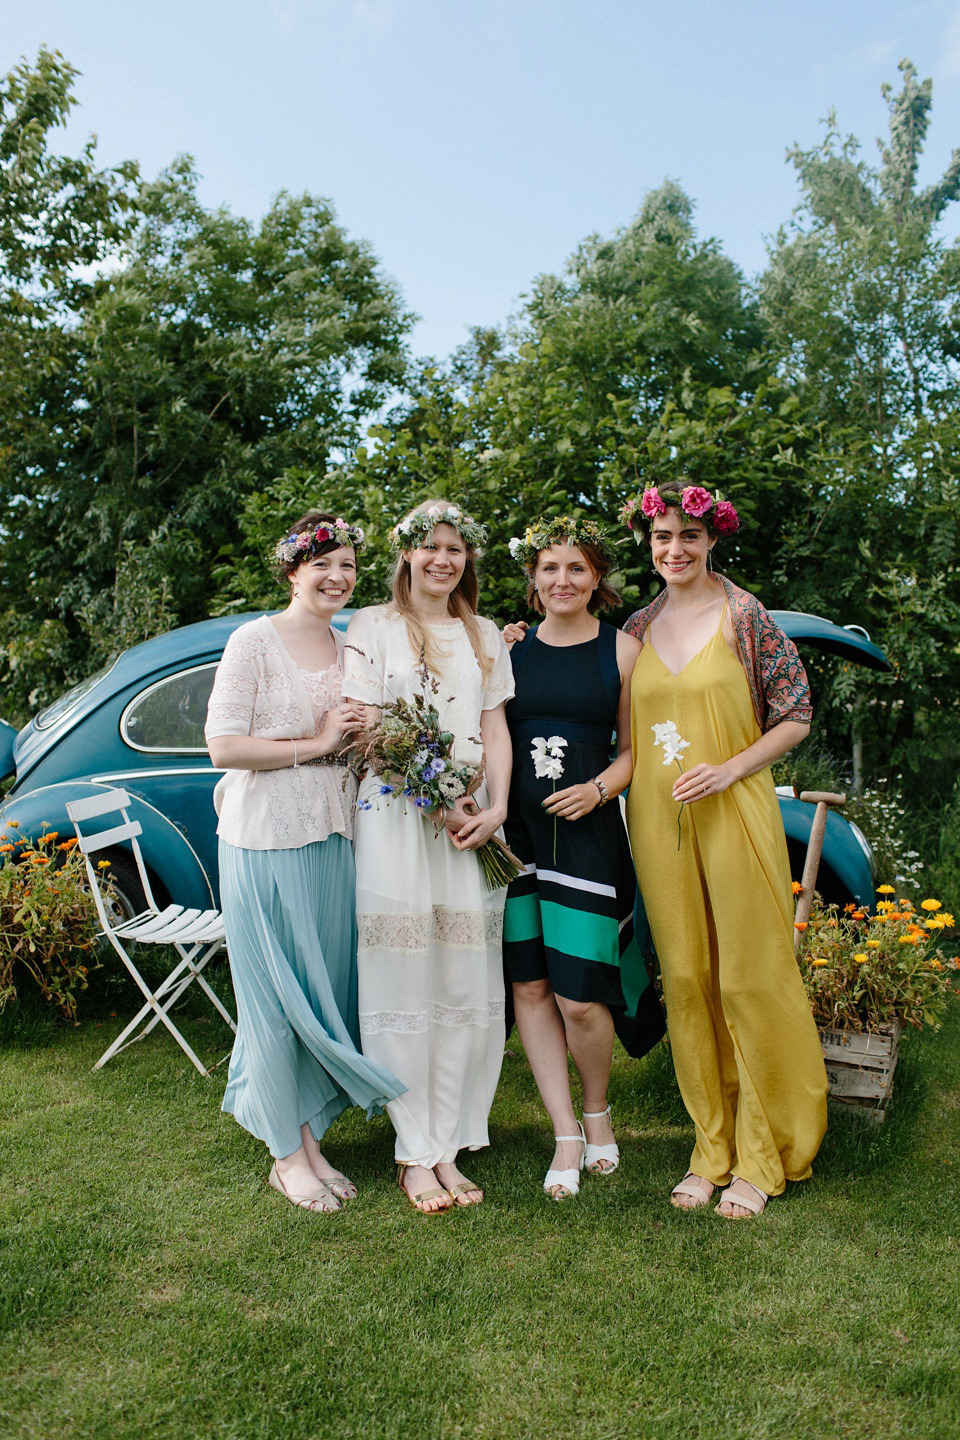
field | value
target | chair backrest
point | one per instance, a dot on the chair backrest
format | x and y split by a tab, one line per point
105	806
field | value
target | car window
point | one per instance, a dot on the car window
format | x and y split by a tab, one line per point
170	715
70	698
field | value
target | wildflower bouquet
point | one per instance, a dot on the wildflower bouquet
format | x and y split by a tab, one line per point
862	971
413	755
48	921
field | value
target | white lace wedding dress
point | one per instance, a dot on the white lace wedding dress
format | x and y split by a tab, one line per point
429	960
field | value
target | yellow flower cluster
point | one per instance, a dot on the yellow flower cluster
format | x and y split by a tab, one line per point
862	970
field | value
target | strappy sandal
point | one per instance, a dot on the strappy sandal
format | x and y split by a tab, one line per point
595	1153
418	1201
343	1188
464	1188
568	1180
321	1202
756	1207
699	1194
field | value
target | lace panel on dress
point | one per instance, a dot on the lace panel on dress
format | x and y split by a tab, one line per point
406	1023
469	929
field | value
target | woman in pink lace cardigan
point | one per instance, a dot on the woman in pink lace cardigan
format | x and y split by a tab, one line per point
277	723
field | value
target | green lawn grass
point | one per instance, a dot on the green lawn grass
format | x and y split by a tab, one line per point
152	1285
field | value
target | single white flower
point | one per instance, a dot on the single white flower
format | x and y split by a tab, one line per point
514	545
672	741
548	767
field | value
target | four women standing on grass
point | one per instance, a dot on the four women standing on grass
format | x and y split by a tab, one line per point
719	693
717	690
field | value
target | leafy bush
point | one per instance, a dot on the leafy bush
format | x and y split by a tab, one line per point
48	921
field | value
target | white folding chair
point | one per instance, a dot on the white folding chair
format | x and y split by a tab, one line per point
196	935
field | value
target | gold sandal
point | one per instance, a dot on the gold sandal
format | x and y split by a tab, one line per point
417	1201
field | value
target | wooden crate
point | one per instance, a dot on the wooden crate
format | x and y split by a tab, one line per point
860	1067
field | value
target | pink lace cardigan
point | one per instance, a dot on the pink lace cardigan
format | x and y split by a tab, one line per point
778	682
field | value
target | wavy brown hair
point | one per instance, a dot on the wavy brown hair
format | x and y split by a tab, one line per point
461	605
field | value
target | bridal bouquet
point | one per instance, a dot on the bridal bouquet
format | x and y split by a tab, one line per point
413	756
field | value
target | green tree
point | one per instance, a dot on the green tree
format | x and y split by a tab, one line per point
147	401
862	299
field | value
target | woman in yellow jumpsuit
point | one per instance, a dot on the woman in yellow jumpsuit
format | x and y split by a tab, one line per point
718	694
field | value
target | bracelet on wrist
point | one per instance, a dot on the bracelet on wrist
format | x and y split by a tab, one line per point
604	794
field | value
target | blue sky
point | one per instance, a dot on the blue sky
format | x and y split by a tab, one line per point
474	143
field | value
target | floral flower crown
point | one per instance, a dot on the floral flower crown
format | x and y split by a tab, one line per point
549	530
410	532
304	544
695	504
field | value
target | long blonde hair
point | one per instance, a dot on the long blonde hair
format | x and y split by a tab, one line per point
461	604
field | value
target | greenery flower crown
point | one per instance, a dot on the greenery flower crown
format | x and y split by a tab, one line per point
410	532
304	544
695	503
559	530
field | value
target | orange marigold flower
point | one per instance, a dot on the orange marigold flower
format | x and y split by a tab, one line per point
53	835
873	944
904	904
861	959
800	924
857	915
819	961
906	939
885	890
4	849
797	888
39	859
68	844
930	905
832	922
935	965
849	907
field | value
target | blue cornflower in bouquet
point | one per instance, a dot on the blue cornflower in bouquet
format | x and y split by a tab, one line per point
412	753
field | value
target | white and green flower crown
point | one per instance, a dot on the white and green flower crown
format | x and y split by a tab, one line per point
304	544
419	525
559	530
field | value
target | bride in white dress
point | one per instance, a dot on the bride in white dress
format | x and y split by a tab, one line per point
431	996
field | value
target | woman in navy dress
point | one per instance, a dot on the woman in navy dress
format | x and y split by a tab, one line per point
569	943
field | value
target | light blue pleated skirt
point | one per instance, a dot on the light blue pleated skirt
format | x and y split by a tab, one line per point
292	941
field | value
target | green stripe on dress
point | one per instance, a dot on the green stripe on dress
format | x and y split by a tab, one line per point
521	919
577	932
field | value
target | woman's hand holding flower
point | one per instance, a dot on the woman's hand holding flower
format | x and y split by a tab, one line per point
701	782
574	802
469	827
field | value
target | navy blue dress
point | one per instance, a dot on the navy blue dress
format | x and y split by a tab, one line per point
570	917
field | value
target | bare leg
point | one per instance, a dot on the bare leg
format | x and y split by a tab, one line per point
343	1188
589	1035
545	1042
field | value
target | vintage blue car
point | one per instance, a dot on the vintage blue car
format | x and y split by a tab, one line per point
138	724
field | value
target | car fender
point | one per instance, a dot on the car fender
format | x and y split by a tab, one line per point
167	854
844	852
